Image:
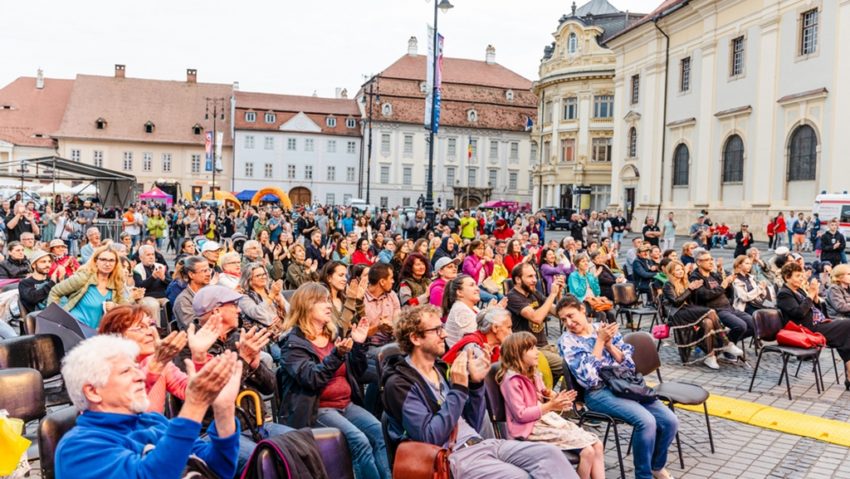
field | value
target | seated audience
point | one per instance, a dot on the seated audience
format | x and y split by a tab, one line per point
35	288
460	305
446	269
494	325
838	294
196	274
16	265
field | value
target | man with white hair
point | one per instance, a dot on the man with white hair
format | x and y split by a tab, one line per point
149	274
93	235
494	325
115	438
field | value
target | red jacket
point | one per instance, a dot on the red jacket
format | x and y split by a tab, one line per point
478	338
503	233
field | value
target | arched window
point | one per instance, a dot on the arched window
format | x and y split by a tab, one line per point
681	165
802	154
632	142
572	43
733	160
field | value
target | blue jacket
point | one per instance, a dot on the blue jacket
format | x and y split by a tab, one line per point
414	412
107	445
642	274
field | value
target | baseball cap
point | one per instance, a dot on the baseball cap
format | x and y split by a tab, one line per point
211	246
37	255
443	262
211	297
55	243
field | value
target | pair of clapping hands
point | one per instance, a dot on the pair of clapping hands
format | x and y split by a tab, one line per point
359	333
467	368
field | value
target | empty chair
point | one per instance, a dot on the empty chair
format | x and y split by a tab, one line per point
22	396
647	362
334	451
50	431
42	352
628	304
768	323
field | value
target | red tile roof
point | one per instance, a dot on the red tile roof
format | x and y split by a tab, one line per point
458	70
295	103
126	104
34	111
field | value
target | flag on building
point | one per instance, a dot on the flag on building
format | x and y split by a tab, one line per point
529	123
469	150
208	150
219	141
433	81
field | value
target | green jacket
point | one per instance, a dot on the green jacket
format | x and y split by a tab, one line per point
76	286
156	226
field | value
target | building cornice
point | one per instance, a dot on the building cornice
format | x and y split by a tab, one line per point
803	96
684	122
733	112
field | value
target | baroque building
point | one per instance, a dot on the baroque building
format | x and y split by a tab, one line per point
575	126
731	106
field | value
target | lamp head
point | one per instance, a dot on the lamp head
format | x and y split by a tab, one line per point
445	6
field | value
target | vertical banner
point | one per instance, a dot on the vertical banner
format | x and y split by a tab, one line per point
433	78
208	151
219	140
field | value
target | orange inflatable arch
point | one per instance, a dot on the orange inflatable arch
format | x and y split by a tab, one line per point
226	197
273	190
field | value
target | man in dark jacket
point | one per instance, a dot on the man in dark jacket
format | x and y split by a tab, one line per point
714	293
423	406
743	240
832	244
644	270
150	274
34	289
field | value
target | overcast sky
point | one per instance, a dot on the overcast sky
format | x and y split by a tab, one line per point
292	46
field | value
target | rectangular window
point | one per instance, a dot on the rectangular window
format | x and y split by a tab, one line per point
473	143
250	116
196	163
270	117
427	174
290	172
249	169
452	147
603	106
514	151
308	172
75	155
166	162
685	75
147	161
809	34
547	152
407	175
533	151
568	150
249	142
291	144
346	198
268	170
450	176
308	144
405	201
384	201
494	149
736	67
269	143
97	158
331	146
330	199
408	146
450	203
385	143
351	147
385	174
530	182
471	177
635	89
331	173
547	112
571	108
493	178
128	161
512	180
601	150
349	173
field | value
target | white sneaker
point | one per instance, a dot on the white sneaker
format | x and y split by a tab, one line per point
733	349
711	362
662	474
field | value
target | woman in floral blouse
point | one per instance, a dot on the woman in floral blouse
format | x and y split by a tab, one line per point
587	347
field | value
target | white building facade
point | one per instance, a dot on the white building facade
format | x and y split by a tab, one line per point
307	146
754	107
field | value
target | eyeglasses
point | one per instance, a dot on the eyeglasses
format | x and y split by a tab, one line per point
440	330
260	276
706	259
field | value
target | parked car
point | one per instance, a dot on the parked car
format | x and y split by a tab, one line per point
557	218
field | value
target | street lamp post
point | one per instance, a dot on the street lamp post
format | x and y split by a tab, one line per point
215	106
443	5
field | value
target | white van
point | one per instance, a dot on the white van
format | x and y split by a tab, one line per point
834	206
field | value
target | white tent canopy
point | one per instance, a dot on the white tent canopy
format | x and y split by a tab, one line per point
84	189
57	188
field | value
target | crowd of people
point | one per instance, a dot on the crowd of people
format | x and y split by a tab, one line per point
299	306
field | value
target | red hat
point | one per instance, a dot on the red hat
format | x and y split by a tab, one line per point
501	222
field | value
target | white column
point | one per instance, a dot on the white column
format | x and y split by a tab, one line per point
705	161
764	166
832	164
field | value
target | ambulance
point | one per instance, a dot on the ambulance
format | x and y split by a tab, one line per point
829	206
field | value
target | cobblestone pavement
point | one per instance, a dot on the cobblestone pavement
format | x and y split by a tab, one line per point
741	450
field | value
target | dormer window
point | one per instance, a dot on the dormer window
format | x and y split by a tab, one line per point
330	122
572	43
509	95
423	87
350	123
149	126
250	116
472	116
100	124
387	109
197	129
270	118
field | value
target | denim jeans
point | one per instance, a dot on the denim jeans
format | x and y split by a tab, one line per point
654	425
486	296
365	439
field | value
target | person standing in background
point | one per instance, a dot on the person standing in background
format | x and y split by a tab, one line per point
668	240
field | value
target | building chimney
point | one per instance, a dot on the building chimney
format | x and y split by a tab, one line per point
119	71
413	46
39	79
343	93
236	86
338	92
191	75
491	55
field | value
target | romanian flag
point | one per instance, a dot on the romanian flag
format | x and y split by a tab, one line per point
469	149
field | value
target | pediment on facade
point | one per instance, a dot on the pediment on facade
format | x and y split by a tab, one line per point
629	172
632	116
684	122
803	96
6	144
301	122
738	111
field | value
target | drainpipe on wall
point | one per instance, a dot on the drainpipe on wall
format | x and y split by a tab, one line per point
663	117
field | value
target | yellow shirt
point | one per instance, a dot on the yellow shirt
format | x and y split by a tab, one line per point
468	227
